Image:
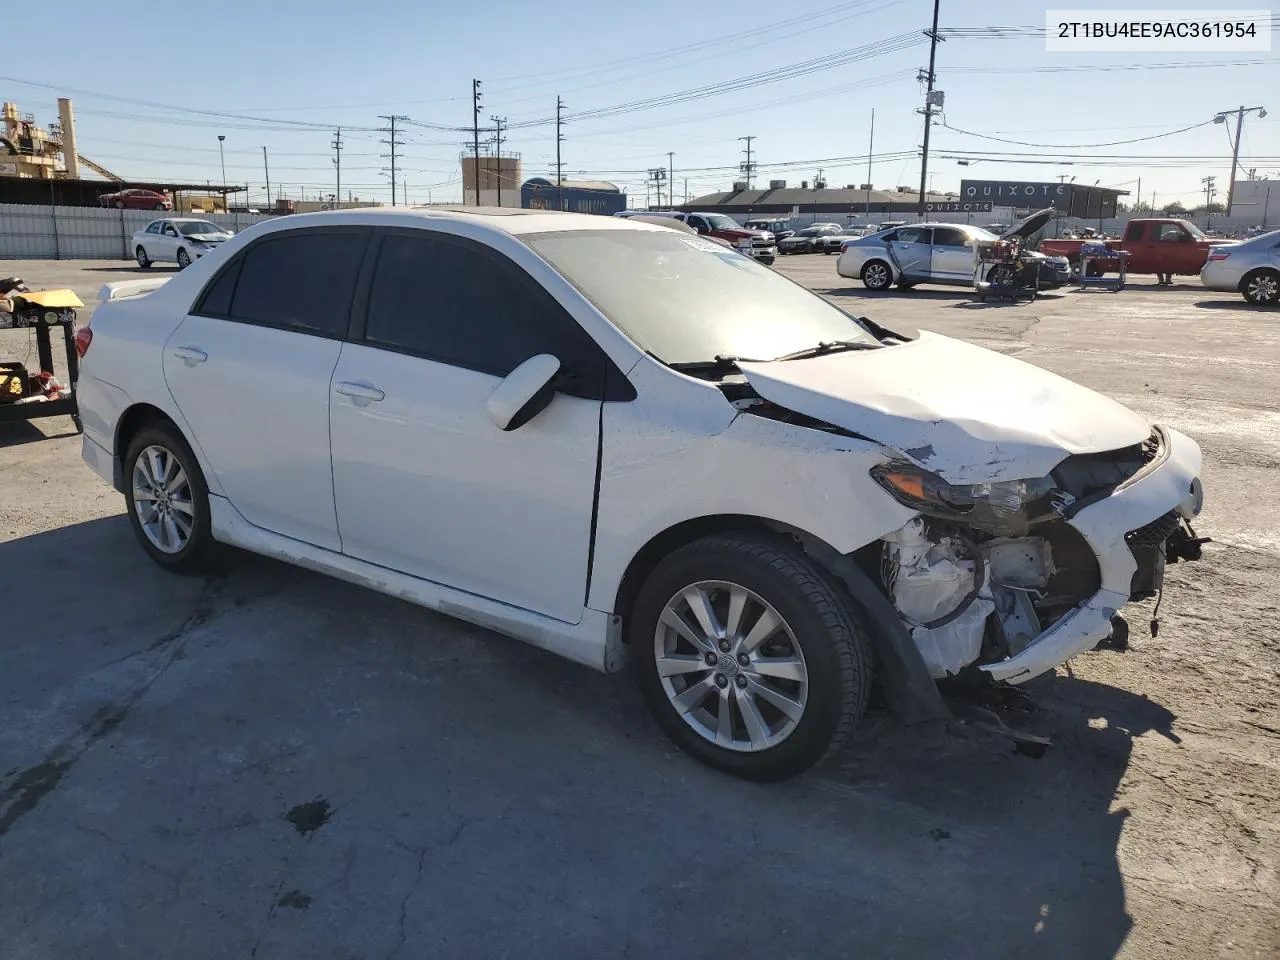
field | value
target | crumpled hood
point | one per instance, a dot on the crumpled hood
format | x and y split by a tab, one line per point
969	415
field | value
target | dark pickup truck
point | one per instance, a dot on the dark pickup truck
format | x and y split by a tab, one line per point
1154	246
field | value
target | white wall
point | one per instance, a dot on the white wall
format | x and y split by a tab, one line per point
32	232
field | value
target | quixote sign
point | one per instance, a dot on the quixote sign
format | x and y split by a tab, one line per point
1018	193
959	206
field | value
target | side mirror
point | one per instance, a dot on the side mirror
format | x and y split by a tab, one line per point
523	393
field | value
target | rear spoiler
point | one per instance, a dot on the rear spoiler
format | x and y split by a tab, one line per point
130	288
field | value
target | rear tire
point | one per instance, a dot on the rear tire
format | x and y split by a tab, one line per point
143	260
167	500
815	654
876	275
1261	288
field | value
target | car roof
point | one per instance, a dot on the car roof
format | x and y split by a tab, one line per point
510	220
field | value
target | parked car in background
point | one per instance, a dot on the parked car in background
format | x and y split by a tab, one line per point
1153	245
832	242
135	199
808	239
945	253
180	240
780	227
1250	268
349	391
757	244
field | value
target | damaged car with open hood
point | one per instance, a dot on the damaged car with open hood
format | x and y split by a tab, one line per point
627	445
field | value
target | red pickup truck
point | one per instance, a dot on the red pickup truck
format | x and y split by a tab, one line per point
1154	246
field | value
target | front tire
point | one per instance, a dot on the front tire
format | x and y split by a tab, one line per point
1261	288
168	501
749	656
184	258
876	275
143	260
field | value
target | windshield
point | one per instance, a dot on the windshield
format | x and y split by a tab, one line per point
719	221
689	300
812	231
191	228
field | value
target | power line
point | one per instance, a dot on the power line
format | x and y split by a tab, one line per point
1055	146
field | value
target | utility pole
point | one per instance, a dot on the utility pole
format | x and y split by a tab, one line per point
393	142
871	145
497	149
559	140
1240	112
1138	202
337	165
748	168
475	134
929	100
671	178
1208	199
266	172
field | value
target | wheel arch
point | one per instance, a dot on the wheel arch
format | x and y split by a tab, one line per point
1244	278
135	419
666	542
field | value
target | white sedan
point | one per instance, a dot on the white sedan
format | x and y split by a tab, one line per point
179	240
595	435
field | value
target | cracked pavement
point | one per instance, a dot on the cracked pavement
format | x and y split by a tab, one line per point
273	764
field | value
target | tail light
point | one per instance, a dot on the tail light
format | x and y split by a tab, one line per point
1219	256
84	337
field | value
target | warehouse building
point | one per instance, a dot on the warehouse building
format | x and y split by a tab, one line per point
851	204
575	196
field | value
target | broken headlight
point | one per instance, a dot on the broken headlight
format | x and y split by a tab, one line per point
1005	508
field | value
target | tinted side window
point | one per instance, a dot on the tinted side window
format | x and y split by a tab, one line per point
1134	232
949	237
1172	232
462	304
216	299
302	280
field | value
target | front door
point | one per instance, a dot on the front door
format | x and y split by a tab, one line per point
952	259
250	370
167	244
425	482
913	249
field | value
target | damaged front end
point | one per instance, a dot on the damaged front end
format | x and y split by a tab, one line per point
1017	576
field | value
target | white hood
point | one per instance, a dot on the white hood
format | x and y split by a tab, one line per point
969	415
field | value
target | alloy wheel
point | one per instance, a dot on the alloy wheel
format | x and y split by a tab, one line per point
730	665
876	276
162	499
1263	288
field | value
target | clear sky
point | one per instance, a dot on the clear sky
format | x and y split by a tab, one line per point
310	67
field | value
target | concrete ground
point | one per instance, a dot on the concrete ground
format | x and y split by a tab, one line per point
270	763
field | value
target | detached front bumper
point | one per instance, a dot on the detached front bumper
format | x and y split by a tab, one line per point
1170	484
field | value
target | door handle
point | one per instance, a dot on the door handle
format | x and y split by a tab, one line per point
190	355
359	391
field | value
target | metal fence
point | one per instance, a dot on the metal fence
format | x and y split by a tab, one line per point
85	233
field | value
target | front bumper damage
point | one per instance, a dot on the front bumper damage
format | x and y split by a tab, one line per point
980	610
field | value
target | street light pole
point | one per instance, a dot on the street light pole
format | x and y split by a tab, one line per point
223	160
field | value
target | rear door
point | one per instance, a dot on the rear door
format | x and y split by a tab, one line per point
425	482
250	370
913	250
1137	243
952	257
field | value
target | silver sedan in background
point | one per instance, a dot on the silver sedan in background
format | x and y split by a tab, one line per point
1251	268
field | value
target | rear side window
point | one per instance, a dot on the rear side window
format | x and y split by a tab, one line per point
216	299
303	280
1134	232
949	237
462	304
913	235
